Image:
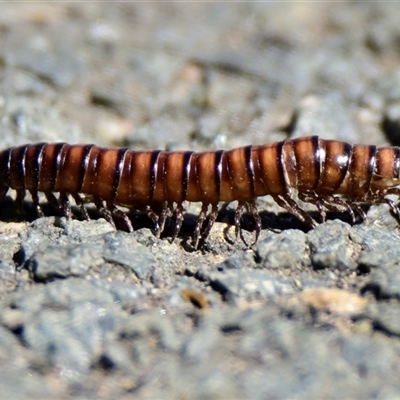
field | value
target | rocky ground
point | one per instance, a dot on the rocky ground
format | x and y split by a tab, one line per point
90	312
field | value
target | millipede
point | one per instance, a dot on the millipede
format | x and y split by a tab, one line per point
329	174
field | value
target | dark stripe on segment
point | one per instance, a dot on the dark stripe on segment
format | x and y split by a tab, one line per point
154	172
33	163
17	167
239	171
348	149
282	178
48	168
118	169
218	171
59	160
317	160
260	175
5	159
84	164
397	162
272	169
227	164
89	185
371	164
186	173
250	169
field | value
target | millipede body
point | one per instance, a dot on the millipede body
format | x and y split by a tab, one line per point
330	174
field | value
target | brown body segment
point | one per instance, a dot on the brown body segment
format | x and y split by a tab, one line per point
177	166
124	195
33	161
158	189
72	168
308	163
5	161
89	180
271	169
204	177
361	168
49	166
290	164
387	168
146	174
108	172
240	169
259	184
336	164
17	168
193	188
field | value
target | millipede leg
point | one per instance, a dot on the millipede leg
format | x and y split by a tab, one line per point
116	212
104	212
321	211
3	192
35	200
154	217
199	225
257	220
289	204
394	207
165	213
211	219
237	217
358	210
312	197
20	200
159	219
395	191
53	200
178	221
65	205
339	205
238	229
79	202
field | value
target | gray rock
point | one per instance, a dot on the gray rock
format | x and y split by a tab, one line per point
384	282
10	240
31	242
238	262
126	295
121	248
23	383
200	344
385	317
377	247
55	261
249	283
8	276
330	246
373	359
67	323
286	250
87	232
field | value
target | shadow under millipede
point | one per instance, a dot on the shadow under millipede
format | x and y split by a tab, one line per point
10	212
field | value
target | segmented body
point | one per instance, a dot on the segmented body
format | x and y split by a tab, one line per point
330	174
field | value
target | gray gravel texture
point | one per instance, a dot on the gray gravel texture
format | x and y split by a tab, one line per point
90	312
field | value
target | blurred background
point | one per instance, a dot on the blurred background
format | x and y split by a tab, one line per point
198	75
